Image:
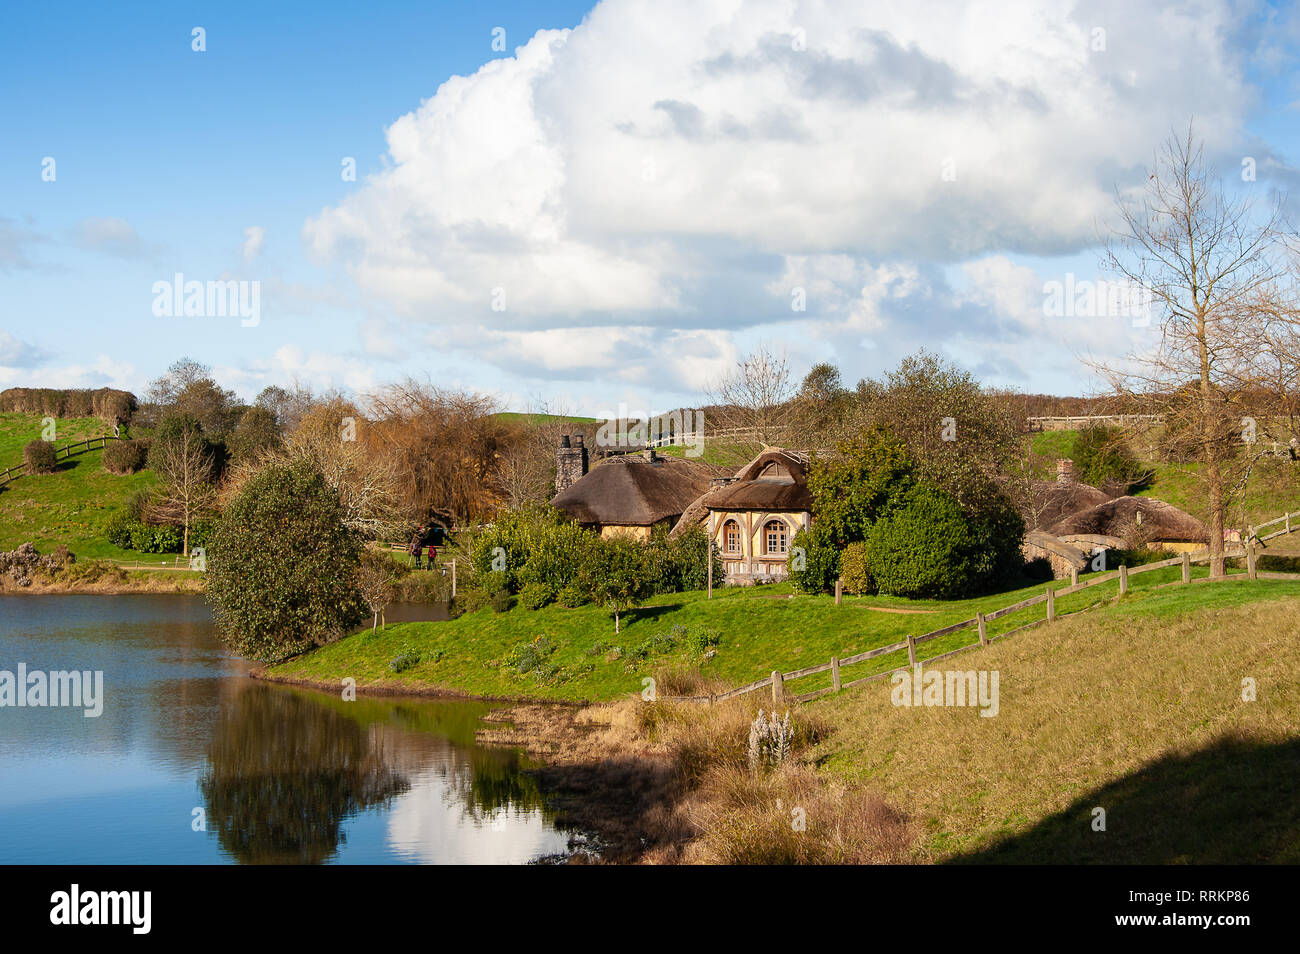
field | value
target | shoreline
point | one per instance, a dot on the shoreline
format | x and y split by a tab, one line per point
108	585
600	782
427	692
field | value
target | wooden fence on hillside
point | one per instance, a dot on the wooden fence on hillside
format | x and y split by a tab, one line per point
1091	420
979	622
60	453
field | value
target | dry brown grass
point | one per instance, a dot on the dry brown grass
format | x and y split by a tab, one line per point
1086	706
668	783
682	679
792	816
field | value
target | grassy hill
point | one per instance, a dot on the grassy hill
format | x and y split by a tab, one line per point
1136	709
1273	488
69	505
739	636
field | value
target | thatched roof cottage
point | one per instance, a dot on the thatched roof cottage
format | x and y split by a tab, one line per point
633	493
753	516
1133	521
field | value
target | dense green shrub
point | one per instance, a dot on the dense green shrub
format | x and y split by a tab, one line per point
552	554
125	457
679	563
39	457
1102	456
853	569
501	601
150	538
281	565
572	596
924	548
814	561
123	529
852	489
534	596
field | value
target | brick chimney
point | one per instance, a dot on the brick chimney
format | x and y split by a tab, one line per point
570	462
1065	471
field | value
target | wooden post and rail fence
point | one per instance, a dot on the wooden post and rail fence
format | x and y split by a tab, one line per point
777	680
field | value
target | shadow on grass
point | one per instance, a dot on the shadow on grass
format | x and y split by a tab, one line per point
651	613
1236	801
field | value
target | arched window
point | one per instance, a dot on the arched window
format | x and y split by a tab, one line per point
775	537
731	536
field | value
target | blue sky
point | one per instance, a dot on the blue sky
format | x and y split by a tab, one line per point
645	191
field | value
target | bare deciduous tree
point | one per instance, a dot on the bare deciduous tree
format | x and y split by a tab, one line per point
525	471
1207	260
755	403
375	581
185	464
339	442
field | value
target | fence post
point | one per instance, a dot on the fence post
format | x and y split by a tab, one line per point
1187	567
839	590
1051	605
835	672
911	650
1123	579
778	686
1074	576
453	578
984	635
1250	559
1288	521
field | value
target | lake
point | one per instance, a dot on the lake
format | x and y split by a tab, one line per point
192	762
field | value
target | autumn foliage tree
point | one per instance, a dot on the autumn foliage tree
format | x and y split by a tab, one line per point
443	446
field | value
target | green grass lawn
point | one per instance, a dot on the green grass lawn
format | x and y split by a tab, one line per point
16	430
758	628
535	419
69	505
1274	488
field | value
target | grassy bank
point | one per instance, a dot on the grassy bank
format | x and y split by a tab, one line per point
685	640
106	579
1136	708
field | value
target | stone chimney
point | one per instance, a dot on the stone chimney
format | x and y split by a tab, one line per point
570	462
1065	471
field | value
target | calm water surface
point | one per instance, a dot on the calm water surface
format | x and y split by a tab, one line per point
266	773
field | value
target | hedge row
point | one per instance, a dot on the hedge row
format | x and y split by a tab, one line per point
108	404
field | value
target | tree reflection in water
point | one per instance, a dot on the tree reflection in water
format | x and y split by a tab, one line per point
284	772
286	767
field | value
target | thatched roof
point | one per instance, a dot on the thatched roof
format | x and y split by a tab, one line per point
1054	500
1119	517
777	479
630	490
